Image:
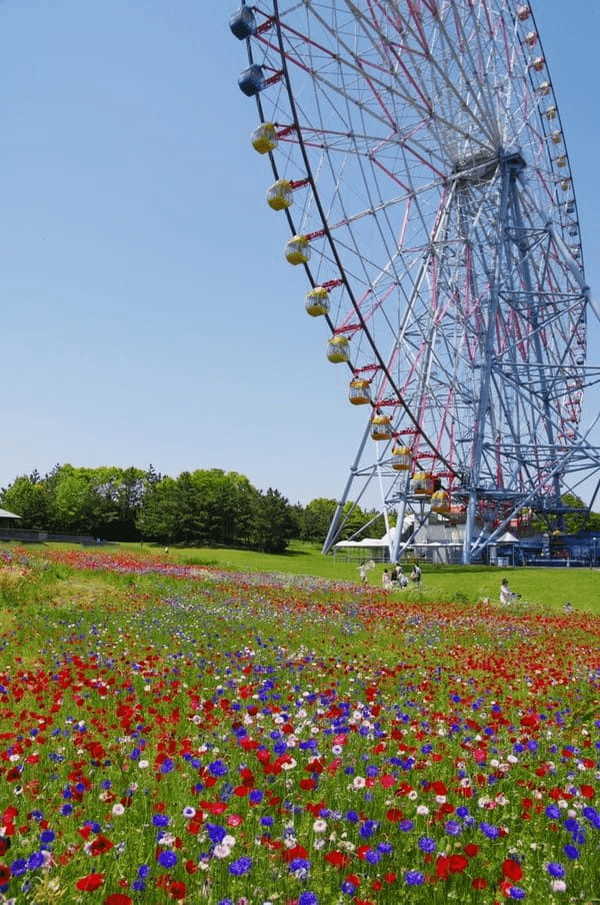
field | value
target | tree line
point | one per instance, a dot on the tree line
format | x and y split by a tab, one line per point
206	507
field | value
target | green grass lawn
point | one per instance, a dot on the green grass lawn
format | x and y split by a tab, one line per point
549	587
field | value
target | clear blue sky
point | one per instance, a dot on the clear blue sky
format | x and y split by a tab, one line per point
148	315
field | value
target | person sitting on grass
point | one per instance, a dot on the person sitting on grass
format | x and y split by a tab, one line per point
506	595
386	581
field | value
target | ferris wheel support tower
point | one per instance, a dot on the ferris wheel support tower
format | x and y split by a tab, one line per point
434	215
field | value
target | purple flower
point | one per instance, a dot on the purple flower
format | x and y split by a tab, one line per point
308	898
18	867
215	832
427	845
218	768
299	864
515	892
453	828
406	826
571	852
348	888
167	859
35	860
414	878
556	870
167	765
47	836
160	820
240	867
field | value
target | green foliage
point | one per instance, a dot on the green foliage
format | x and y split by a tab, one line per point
273	523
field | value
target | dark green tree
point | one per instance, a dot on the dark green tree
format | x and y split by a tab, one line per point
273	523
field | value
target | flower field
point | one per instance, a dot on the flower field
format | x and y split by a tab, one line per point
174	733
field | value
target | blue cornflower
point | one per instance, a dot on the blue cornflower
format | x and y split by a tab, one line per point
215	832
167	765
143	871
301	864
167	859
138	885
348	888
240	867
427	845
225	902
453	828
18	867
368	828
492	832
406	826
386	848
414	878
255	796
552	811
267	821
308	898
556	870
35	860
462	811
160	820
66	810
515	892
352	816
47	836
373	857
218	768
571	852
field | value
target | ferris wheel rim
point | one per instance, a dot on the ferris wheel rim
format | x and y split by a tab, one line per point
337	258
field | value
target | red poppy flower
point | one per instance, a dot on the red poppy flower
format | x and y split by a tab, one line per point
117	898
338	859
100	845
512	870
177	889
457	863
90	883
479	883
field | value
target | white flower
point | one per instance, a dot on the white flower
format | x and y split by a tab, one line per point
359	782
189	812
221	851
118	810
558	886
512	759
412	795
319	826
143	764
440	799
422	810
228	840
289	765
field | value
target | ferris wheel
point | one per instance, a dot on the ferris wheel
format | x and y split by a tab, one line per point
418	156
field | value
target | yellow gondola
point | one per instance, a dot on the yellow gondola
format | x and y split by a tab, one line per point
422	483
359	392
381	427
440	502
264	138
338	349
401	458
297	250
280	195
317	301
